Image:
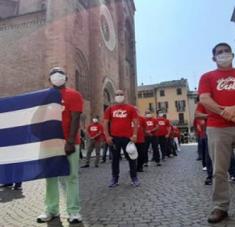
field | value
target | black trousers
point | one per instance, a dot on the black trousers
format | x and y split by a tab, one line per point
163	146
141	155
153	140
118	144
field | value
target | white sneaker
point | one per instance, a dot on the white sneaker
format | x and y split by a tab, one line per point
204	169
46	217
75	218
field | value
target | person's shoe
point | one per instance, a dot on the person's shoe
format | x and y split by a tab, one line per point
46	217
204	169
232	179
217	215
103	161
146	165
17	187
113	183
96	166
198	159
208	181
85	166
75	218
135	182
159	164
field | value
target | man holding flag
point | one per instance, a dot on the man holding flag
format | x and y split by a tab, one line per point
72	108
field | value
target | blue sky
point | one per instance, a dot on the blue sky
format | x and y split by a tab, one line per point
174	38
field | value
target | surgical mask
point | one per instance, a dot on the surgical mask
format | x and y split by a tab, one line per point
160	115
148	115
58	79
119	98
95	120
224	60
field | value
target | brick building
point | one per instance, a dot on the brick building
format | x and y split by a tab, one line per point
94	40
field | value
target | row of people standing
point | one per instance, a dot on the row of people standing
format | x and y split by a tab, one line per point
122	124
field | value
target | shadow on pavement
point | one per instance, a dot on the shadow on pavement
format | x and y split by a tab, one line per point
6	195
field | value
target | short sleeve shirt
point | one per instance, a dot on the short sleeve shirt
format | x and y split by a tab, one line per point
72	102
220	84
120	117
151	123
163	124
95	129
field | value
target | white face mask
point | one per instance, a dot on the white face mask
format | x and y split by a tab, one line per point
160	115
148	115
119	98
58	79
95	120
224	60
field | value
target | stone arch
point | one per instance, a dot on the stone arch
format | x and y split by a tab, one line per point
82	79
108	93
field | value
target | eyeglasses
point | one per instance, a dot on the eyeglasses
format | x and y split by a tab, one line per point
119	94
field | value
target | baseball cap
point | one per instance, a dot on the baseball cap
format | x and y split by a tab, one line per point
132	150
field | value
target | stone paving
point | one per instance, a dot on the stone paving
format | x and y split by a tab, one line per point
172	195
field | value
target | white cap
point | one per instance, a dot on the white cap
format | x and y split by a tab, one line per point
132	150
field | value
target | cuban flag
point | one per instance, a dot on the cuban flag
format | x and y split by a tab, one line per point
31	137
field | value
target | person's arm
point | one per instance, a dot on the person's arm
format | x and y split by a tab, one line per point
106	132
198	114
135	130
210	104
74	126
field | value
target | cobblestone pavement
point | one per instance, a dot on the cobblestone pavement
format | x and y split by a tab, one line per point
172	195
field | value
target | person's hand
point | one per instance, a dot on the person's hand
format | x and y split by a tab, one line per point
134	138
69	148
167	136
148	133
109	140
228	113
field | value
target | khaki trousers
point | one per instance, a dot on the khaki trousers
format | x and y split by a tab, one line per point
220	141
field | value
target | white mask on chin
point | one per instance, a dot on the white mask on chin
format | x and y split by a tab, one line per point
119	98
58	79
224	60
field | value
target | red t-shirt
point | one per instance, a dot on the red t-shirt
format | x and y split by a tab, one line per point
200	108
72	102
151	123
141	129
176	132
200	127
95	129
163	124
120	117
221	86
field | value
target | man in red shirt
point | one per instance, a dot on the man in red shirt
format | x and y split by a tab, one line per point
118	119
163	133
94	132
217	94
73	107
151	138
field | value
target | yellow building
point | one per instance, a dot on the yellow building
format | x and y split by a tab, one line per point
172	97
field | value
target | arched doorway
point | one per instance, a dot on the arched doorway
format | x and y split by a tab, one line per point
108	94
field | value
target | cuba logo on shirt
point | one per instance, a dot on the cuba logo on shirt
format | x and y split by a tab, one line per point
149	123
120	114
94	129
161	123
226	84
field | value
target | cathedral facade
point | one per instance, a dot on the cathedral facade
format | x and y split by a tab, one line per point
94	40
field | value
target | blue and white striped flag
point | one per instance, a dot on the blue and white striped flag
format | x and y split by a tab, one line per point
31	137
